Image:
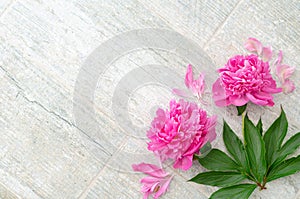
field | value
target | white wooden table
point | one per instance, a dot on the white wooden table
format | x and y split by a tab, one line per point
79	86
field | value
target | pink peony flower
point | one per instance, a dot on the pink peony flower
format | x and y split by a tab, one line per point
244	79
180	132
284	72
158	181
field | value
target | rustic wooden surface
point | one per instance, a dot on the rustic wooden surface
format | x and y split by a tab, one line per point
44	44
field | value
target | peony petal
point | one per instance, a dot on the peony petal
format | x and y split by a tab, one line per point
263	95
284	72
256	101
189	77
184	163
272	90
253	45
150	180
266	53
198	85
279	58
211	135
239	100
288	86
150	169
146	195
179	92
219	94
164	188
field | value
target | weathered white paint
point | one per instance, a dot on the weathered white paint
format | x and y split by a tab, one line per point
43	45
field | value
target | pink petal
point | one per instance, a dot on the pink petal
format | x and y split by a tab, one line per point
284	72
184	163
272	90
263	95
266	53
219	94
279	58
189	77
253	45
288	86
164	188
211	131
146	195
256	100
150	180
178	92
239	100
198	85
150	169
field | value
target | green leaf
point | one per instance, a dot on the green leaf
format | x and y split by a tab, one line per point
288	148
218	178
235	147
218	161
255	148
259	126
285	168
241	109
274	136
241	191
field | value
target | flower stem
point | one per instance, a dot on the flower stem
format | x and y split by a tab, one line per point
243	125
263	185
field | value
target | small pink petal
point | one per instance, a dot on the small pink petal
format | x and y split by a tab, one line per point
279	58
146	195
149	180
150	169
179	92
288	86
198	85
266	53
164	188
156	183
253	45
189	76
284	72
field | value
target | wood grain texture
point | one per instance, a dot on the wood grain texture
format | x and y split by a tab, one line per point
43	45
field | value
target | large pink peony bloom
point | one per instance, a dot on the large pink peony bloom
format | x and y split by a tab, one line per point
180	132
244	79
158	181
